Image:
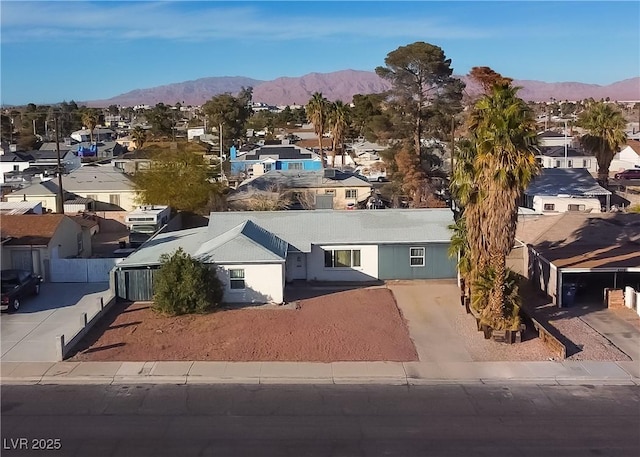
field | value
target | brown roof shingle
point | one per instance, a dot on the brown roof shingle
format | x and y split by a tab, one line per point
31	229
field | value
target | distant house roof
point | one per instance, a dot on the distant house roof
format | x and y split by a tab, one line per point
579	240
85	221
279	152
550	134
30	229
297	179
635	145
229	238
16	208
12	157
49	154
558	151
313	143
565	181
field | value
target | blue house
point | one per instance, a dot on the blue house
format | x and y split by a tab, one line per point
274	157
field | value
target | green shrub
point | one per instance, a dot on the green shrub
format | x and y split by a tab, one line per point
184	285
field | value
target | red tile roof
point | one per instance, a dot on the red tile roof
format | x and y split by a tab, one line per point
30	229
635	145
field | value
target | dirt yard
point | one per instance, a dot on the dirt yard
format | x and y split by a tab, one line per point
356	325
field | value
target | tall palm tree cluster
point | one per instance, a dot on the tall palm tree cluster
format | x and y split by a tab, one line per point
493	169
324	116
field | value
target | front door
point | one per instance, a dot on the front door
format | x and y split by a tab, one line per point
296	266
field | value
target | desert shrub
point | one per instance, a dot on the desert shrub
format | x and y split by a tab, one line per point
184	285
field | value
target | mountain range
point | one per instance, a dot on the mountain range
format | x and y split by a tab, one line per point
343	85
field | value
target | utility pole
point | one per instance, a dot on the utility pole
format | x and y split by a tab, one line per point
60	199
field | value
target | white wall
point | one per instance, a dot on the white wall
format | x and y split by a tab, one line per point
263	283
47	201
561	204
575	162
368	271
127	198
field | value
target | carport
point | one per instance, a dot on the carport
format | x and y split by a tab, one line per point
591	251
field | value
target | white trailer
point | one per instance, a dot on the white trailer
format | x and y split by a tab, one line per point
145	221
563	204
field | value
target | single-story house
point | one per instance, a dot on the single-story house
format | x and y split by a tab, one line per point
557	157
583	252
107	186
12	162
343	189
274	157
258	252
549	138
30	241
99	134
628	157
566	183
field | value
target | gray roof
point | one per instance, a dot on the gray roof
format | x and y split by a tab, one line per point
569	181
96	178
246	242
279	152
298	179
558	151
259	236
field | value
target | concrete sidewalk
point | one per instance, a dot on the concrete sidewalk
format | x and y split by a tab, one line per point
394	373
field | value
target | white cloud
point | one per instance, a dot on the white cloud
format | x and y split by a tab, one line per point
198	21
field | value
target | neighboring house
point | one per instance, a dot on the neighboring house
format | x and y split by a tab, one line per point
550	138
99	134
566	184
557	157
258	252
107	186
131	166
580	254
47	157
274	157
342	189
102	149
30	241
628	157
12	162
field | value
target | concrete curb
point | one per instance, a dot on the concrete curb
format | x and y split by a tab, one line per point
381	373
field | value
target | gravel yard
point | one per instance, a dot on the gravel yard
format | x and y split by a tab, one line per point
357	325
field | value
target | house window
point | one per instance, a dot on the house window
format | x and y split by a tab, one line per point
114	199
549	207
16	168
295	166
570	164
351	193
585	163
92	197
416	257
557	164
236	279
342	258
267	167
330	192
574	207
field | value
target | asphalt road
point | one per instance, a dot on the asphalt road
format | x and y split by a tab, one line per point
220	420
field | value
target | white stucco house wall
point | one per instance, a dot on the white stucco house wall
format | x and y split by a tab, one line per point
11	162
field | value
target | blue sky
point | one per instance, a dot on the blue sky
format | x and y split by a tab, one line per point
53	51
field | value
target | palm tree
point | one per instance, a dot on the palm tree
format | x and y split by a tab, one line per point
317	109
605	124
504	132
139	135
339	121
90	120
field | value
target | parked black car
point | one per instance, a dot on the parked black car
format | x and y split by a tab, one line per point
17	285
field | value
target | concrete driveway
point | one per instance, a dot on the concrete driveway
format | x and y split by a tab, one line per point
29	335
430	308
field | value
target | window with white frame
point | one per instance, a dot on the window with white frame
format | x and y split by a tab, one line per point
330	192
416	257
295	166
351	193
574	207
570	164
549	207
236	279
342	258
114	199
585	163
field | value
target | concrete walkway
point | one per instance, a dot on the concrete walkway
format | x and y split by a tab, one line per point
394	373
430	310
30	334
